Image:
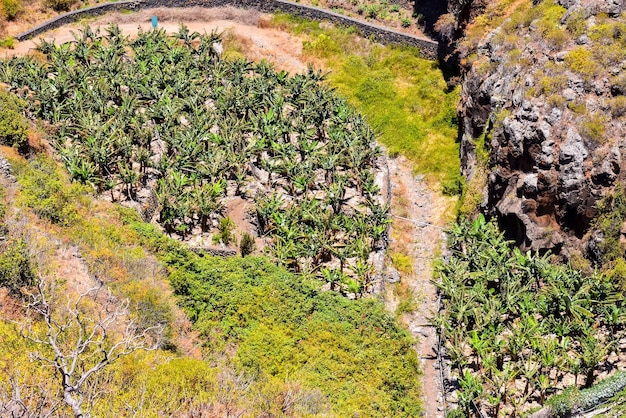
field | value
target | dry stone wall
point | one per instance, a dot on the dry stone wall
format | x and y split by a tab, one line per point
75	15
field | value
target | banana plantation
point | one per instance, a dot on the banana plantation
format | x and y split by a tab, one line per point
167	114
518	327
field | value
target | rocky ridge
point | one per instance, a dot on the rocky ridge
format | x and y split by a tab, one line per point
542	118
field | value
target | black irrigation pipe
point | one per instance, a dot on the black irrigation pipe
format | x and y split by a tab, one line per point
418	223
440	362
389	215
478	411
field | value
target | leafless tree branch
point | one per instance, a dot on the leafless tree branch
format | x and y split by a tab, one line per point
90	332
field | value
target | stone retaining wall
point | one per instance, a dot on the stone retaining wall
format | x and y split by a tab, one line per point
71	17
428	47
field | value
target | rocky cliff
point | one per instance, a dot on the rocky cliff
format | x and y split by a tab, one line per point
543	117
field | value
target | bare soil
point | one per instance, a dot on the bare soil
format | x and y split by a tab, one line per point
281	48
419	215
419	212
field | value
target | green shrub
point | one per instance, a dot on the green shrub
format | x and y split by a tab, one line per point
322	46
617	274
577	107
13	125
372	10
284	328
402	262
609	55
617	106
556	100
561	405
3	211
225	232
11	8
247	244
153	310
593	127
611	215
407	305
557	37
46	191
576	22
15	266
59	5
553	84
8	42
580	60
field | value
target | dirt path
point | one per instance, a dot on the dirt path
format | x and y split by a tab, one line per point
418	217
418	211
279	47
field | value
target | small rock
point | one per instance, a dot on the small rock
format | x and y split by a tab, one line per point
569	94
393	276
582	40
573	148
218	48
577	84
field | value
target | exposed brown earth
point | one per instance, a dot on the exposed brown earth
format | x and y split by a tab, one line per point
419	213
418	217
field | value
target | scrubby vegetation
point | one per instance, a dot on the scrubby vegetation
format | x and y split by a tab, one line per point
392	13
274	343
13	124
167	114
285	328
589	47
519	327
403	96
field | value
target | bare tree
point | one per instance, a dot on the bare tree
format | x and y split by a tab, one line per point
91	331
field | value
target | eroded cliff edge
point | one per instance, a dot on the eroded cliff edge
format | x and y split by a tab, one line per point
543	117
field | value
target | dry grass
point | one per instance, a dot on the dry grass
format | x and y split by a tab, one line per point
190	14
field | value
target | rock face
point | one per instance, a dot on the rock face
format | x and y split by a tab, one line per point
547	97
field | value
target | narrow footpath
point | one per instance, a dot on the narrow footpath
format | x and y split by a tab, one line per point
417	230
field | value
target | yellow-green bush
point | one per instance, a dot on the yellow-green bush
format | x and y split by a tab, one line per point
16	270
580	60
13	125
618	106
576	22
593	127
11	8
47	192
553	84
323	46
402	262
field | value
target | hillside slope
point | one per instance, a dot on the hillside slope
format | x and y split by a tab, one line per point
542	114
366	365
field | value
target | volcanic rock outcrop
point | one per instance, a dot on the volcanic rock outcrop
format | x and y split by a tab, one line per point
545	95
